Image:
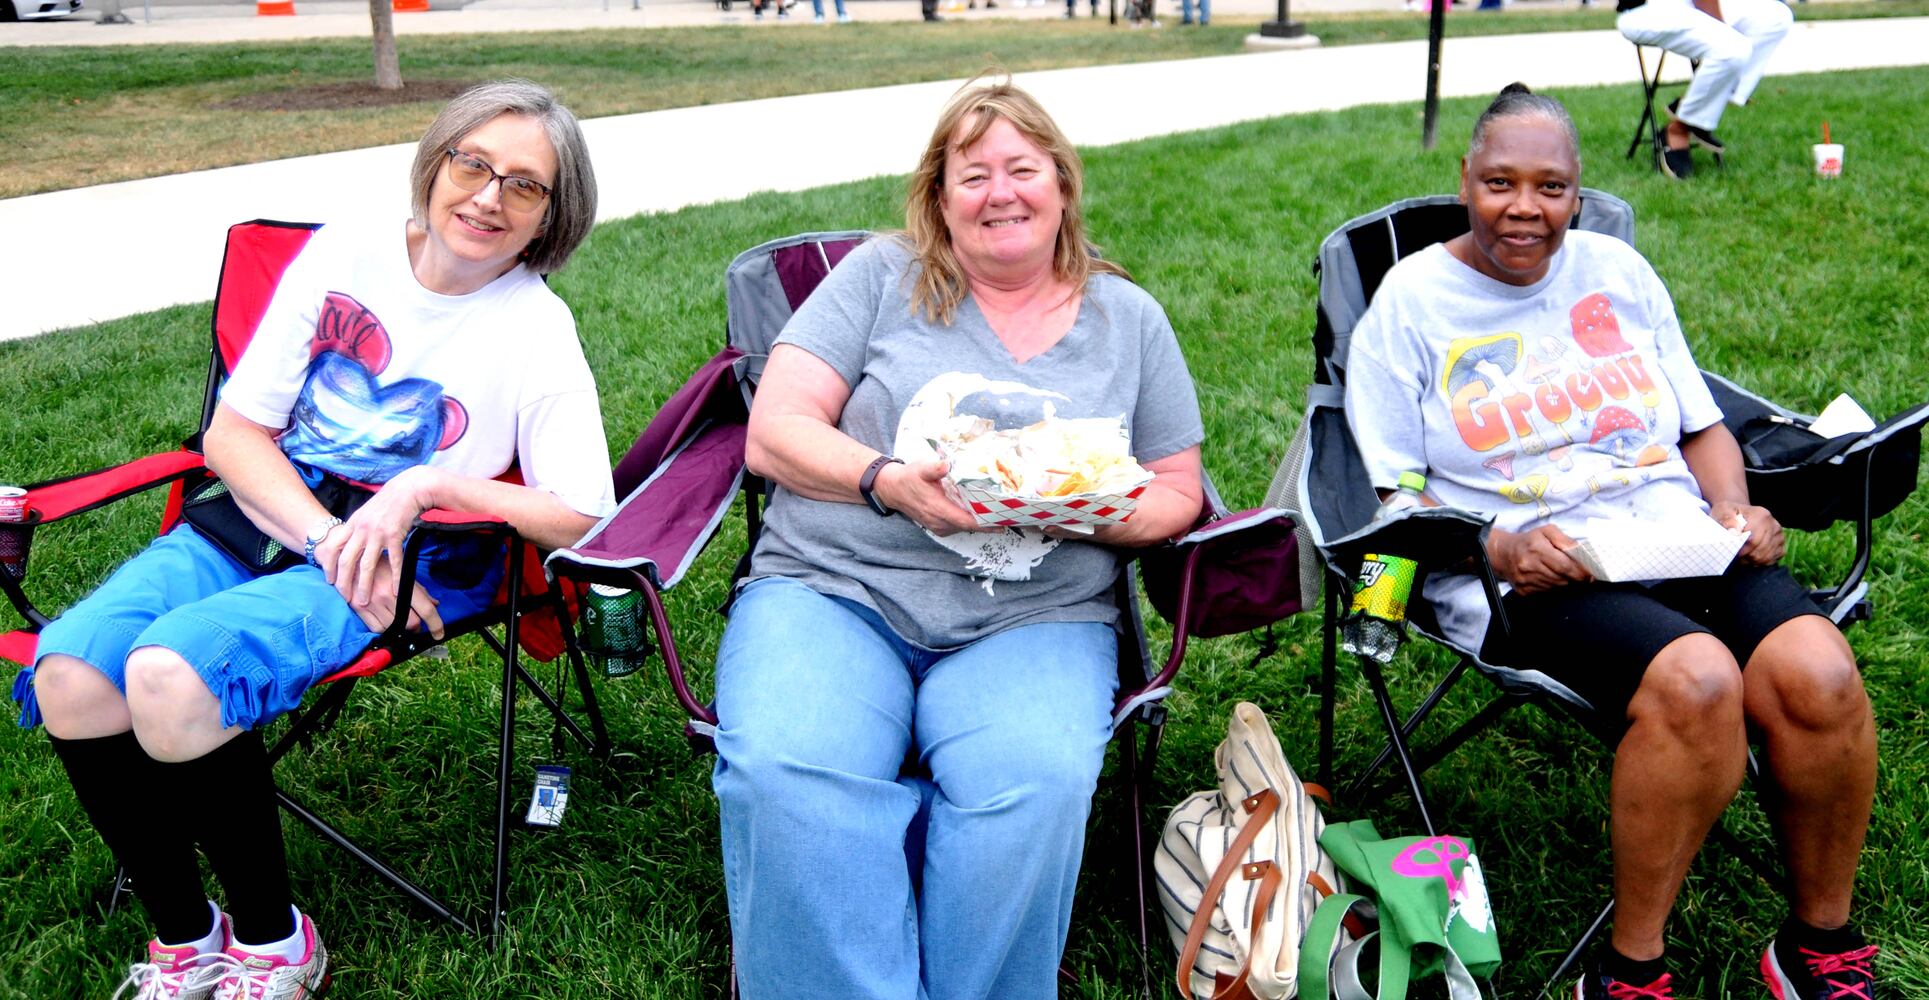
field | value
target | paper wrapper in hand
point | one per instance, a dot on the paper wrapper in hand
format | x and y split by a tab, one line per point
1015	463
1626	551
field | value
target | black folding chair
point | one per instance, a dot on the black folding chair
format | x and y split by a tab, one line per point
1323	480
1648	126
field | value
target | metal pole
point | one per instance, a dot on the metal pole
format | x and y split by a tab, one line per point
1283	26
1436	27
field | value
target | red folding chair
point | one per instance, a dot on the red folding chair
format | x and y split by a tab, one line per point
529	615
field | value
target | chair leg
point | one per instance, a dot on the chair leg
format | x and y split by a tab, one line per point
1329	681
1377	681
1137	773
122	887
506	754
381	868
1648	126
1414	719
601	748
1573	957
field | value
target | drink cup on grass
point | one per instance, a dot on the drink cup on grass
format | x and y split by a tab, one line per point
1828	159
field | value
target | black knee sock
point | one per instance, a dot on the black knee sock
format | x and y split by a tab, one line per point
119	786
1630	971
239	830
1795	935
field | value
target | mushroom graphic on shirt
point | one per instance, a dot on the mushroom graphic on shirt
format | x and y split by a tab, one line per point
1530	489
1480	359
1596	329
1618	431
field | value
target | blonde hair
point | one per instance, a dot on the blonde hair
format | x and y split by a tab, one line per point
938	284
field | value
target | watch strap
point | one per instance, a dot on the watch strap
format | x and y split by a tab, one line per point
317	535
867	483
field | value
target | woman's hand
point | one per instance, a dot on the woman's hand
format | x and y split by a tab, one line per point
373	537
1535	560
1765	543
916	490
378	612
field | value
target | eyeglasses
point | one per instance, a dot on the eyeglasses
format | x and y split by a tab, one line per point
471	173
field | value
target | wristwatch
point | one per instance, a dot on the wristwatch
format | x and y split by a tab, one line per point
317	535
868	481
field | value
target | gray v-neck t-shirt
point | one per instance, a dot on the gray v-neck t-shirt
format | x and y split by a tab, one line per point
1120	359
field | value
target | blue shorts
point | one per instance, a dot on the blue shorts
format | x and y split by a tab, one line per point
258	643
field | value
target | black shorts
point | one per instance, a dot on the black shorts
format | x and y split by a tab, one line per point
1598	638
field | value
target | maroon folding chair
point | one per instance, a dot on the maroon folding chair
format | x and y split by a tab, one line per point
529	614
1236	572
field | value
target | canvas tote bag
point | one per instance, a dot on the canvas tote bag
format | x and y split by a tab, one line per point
1240	871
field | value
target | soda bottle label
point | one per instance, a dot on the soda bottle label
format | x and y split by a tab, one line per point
1382	588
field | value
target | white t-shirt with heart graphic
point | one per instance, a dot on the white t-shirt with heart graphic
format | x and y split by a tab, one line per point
369	373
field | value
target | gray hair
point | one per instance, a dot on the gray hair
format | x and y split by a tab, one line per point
1516	101
572	196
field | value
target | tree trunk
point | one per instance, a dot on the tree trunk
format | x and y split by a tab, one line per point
388	66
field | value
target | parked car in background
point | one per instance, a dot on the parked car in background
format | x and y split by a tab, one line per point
36	10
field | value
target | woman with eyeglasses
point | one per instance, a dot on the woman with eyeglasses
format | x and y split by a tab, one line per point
423	363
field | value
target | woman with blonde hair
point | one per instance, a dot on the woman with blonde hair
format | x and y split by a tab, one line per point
880	626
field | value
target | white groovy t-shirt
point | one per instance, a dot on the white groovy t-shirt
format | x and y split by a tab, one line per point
1554	402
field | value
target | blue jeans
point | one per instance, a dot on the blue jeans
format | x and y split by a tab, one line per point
817	7
851	880
1185	11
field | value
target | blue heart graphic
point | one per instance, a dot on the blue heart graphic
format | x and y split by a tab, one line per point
345	423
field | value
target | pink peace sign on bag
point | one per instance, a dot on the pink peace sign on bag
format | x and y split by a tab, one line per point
1430	857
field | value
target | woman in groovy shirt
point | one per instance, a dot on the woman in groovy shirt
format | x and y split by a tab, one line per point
1539	375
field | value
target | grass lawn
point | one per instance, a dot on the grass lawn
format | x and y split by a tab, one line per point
79	116
1796	288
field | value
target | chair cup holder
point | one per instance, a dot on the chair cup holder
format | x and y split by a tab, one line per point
16	540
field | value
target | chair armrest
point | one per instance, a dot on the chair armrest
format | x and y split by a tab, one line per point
56	499
658	531
1438	538
1233	573
60	498
437	521
661	527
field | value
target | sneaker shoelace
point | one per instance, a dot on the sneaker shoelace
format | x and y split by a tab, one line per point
1660	989
148	980
245	982
151	982
1853	963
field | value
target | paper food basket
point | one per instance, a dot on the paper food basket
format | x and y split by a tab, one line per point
992	506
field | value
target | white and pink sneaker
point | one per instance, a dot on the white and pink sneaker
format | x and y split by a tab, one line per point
179	973
272	977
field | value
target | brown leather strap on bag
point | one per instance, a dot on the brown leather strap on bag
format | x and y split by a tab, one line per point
1268	875
1259	809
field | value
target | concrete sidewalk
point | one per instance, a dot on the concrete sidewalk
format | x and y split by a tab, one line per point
174	21
141	245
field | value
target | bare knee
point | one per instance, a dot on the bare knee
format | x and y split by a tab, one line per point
1803	674
76	700
174	714
1693	688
